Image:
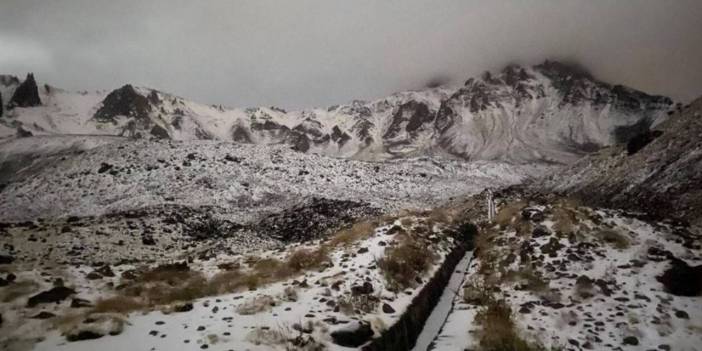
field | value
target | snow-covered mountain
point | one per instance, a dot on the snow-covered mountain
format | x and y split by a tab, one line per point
550	112
658	172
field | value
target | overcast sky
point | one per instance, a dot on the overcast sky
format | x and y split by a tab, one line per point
318	53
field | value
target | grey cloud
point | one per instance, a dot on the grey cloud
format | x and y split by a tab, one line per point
318	53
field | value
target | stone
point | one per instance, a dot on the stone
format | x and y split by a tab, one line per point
56	294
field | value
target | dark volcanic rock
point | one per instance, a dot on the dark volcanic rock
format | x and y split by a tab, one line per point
26	94
640	141
125	101
6	259
353	337
159	132
83	335
313	219
682	279
56	294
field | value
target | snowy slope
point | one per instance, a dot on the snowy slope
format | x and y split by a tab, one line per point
550	112
54	176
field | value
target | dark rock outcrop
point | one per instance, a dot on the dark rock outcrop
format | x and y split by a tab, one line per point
54	295
26	94
682	279
313	219
159	132
658	173
125	101
353	337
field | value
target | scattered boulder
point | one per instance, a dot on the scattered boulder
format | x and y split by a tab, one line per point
54	295
631	340
365	289
387	308
104	167
43	315
533	214
159	132
6	259
540	231
94	327
184	307
682	279
354	334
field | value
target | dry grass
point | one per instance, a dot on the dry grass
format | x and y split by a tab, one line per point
523	228
564	220
499	332
356	232
532	280
17	290
508	212
118	304
404	263
614	238
168	284
306	259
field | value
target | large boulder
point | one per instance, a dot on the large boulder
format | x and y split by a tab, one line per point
56	294
354	334
682	279
26	94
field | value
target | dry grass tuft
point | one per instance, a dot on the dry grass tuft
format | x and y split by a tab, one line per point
499	332
356	232
17	290
118	304
564	220
531	280
404	263
508	212
614	238
306	259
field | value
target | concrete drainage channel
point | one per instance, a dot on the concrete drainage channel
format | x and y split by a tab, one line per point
427	313
438	316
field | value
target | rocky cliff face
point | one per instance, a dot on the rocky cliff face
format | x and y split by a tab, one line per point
551	112
658	172
26	94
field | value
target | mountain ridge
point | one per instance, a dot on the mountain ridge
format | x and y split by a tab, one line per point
552	112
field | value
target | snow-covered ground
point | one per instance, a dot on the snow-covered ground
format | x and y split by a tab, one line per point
589	289
57	177
305	308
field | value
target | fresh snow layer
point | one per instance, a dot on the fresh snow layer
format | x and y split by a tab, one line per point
84	176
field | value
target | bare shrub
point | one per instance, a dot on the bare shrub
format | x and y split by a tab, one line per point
614	238
498	332
404	263
118	304
356	232
508	212
306	259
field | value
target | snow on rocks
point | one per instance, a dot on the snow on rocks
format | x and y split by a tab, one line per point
347	296
589	280
242	180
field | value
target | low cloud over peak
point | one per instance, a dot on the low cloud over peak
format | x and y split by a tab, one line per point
318	53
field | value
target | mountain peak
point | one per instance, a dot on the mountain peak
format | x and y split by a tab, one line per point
26	94
553	69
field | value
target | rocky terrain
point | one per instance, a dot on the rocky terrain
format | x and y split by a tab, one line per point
135	217
550	273
659	172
